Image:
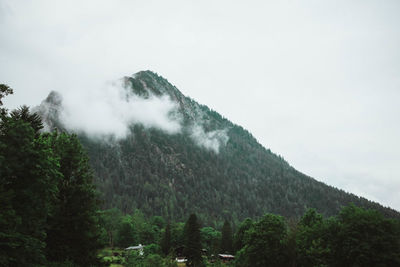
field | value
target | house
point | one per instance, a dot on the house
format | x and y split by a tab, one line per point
138	248
226	257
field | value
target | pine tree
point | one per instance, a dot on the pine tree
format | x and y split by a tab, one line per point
265	243
73	230
226	239
192	249
166	241
126	235
28	176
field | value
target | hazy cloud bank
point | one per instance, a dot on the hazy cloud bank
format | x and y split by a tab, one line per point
110	111
112	108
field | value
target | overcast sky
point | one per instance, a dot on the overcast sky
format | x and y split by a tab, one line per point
317	82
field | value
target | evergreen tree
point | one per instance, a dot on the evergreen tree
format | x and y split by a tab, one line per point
362	237
192	242
126	235
166	240
226	239
110	221
73	229
265	243
210	239
240	234
28	177
311	243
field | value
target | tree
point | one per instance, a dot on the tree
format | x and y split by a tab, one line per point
240	234
28	177
226	239
145	231
192	249
364	238
166	240
211	239
126	235
73	227
110	221
311	240
265	243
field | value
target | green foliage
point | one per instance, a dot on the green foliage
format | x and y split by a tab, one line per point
365	238
265	243
210	240
48	203
226	239
28	177
356	237
126	235
240	234
177	234
166	242
311	242
73	227
193	242
147	234
110	221
152	249
148	260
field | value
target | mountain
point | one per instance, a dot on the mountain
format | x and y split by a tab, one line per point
212	166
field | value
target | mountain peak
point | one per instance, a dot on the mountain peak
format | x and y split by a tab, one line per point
210	166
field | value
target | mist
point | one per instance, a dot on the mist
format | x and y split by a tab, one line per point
109	111
212	140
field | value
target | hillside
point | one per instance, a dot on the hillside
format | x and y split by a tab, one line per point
211	166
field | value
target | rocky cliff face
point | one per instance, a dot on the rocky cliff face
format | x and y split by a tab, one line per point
210	166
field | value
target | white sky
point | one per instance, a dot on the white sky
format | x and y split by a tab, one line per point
317	82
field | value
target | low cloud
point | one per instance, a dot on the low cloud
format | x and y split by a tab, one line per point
108	112
212	140
111	109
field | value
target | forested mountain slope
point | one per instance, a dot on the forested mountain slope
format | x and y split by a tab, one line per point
211	167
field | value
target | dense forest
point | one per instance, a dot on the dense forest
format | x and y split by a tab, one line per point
171	175
50	216
49	205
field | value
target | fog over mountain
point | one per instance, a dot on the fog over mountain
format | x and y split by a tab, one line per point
109	110
207	165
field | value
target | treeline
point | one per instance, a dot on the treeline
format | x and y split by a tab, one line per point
49	214
355	237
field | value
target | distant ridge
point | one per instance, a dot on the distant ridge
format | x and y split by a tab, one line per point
173	175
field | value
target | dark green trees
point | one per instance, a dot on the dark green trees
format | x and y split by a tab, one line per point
126	235
365	238
28	177
47	199
192	242
166	242
239	240
356	237
265	243
73	230
226	239
211	240
312	237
